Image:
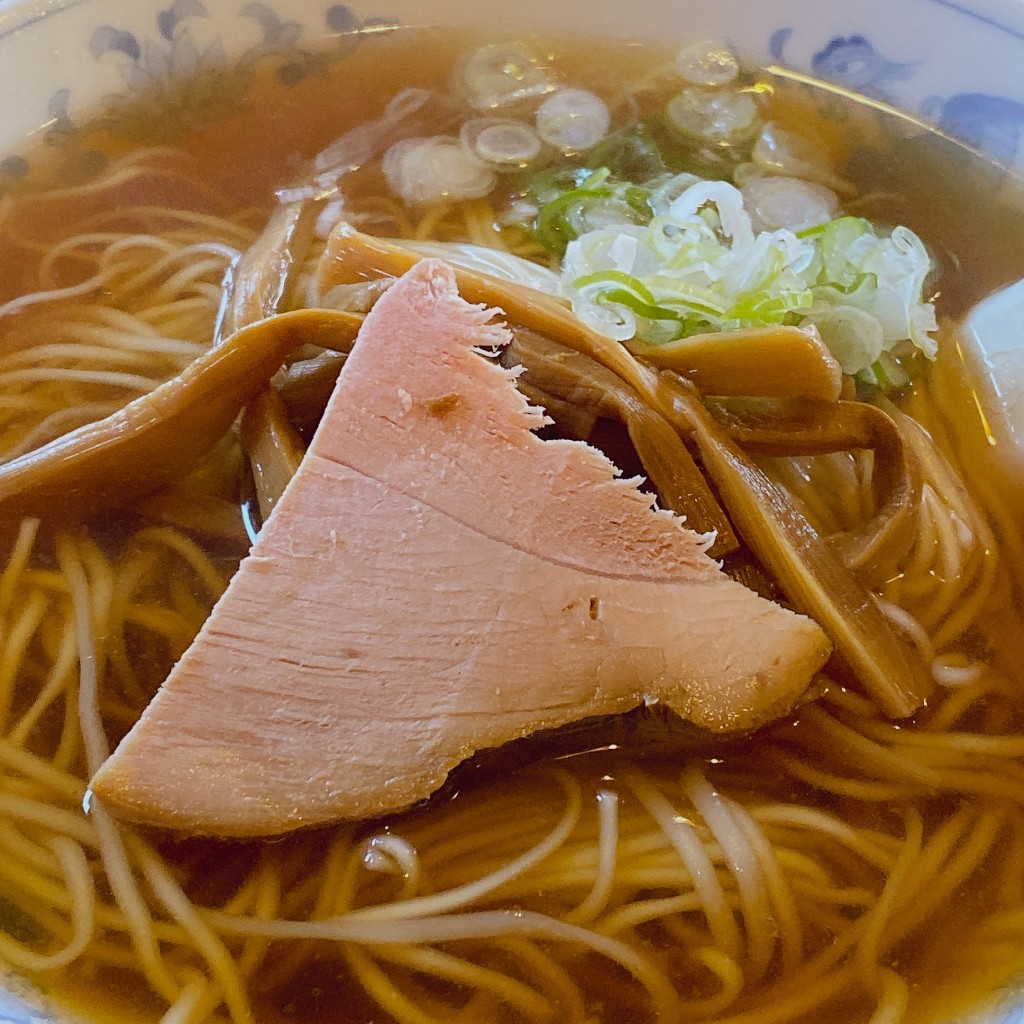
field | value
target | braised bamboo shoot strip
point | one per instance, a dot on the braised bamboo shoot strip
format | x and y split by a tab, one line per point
306	385
794	427
574	420
258	284
205	502
806	566
810	370
272	445
783	362
202	514
162	435
578	379
258	287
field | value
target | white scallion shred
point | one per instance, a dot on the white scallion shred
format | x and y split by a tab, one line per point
331	213
728	202
700	265
853	336
355	147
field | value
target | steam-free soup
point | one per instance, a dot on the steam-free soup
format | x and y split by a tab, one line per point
840	863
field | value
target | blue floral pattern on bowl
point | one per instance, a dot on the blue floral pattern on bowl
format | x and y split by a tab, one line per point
149	63
853	62
990	124
180	46
850	61
155	66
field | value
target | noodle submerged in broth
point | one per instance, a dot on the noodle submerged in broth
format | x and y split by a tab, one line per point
838	863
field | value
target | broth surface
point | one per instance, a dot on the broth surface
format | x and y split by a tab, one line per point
968	215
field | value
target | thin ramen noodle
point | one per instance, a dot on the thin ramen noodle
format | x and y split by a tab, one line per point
837	863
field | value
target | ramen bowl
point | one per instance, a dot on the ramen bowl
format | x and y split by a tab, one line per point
952	65
953	68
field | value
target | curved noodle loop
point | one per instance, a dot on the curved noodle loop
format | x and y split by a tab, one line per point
777	881
125	300
779	904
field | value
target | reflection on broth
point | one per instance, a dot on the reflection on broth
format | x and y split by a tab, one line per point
836	864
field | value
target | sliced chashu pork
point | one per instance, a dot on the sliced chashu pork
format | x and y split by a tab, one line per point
436	580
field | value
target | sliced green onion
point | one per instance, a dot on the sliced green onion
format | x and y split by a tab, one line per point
500	74
634	284
715	118
505	144
573	120
554	229
707	63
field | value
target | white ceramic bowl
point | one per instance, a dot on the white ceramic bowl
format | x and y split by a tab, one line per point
957	64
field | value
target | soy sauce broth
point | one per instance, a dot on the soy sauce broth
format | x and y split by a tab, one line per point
261	136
